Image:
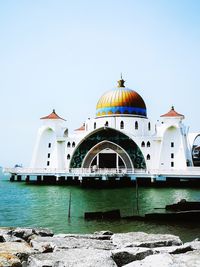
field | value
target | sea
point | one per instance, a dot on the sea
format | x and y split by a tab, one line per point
48	206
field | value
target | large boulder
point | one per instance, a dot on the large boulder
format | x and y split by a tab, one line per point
73	257
159	260
140	239
126	255
56	243
27	233
9	260
189	259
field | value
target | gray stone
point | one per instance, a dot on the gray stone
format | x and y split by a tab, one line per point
107	232
43	232
194	244
99	236
189	259
15	248
23	233
9	260
140	239
73	258
55	243
159	260
173	249
126	255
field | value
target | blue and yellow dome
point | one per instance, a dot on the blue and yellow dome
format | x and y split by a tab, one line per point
121	101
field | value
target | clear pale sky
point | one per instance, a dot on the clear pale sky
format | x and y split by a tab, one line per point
65	54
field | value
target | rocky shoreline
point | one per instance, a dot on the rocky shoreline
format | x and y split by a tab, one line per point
36	247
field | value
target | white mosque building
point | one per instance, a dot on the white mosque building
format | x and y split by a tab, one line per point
119	139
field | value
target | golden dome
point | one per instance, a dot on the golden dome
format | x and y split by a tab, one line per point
121	100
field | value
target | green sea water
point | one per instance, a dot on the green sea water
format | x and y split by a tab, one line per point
47	206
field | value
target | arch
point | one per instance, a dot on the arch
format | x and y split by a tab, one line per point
149	126
148	144
68	144
113	136
136	125
105	145
148	157
95	125
68	156
143	144
106	123
121	125
73	144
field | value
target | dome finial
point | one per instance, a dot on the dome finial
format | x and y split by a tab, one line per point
121	82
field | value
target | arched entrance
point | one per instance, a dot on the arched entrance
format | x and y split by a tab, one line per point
107	138
107	155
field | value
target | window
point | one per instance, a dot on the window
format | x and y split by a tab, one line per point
136	125
148	144
149	126
48	163
49	145
148	157
68	144
172	155
172	144
48	156
106	124
68	156
121	125
73	144
95	125
172	164
143	144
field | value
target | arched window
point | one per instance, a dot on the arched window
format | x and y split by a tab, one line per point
149	126
143	144
121	125
95	125
148	144
68	156
73	144
148	157
68	144
106	124
136	125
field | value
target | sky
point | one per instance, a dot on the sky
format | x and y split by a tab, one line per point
63	55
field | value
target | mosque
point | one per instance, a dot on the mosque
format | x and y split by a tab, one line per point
119	140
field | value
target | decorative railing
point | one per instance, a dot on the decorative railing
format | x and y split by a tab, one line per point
194	171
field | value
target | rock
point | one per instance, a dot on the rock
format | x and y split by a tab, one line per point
28	233
86	236
55	243
189	259
194	244
173	249
43	232
160	260
103	233
9	260
73	257
15	247
126	255
23	233
140	239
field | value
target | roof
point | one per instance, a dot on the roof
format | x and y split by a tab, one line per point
52	116
172	113
82	128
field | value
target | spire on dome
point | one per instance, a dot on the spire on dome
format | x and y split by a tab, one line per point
121	82
52	116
